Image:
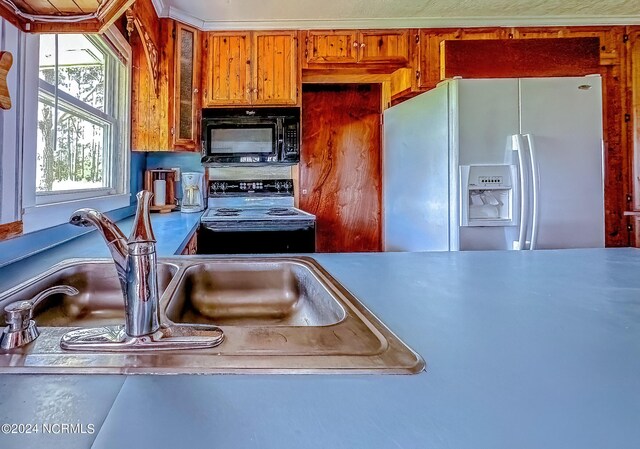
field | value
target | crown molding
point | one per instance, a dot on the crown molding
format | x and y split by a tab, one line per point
401	22
161	9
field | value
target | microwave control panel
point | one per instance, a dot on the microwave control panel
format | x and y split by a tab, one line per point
291	138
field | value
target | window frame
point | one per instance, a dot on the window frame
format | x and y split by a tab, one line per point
46	209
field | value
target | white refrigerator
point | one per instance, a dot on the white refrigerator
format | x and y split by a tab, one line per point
495	164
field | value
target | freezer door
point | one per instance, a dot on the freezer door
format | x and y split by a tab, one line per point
416	174
486	112
562	118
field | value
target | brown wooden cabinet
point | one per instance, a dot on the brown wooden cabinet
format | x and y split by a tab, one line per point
331	47
165	110
251	68
357	47
192	246
427	49
275	68
389	46
186	81
227	69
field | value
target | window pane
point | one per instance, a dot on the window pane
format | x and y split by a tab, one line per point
77	160
48	58
81	67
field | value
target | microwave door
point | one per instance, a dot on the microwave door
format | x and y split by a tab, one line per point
246	142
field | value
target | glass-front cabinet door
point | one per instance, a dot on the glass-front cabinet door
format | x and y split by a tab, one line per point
186	99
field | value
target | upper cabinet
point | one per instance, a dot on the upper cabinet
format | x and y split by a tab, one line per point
384	46
427	51
331	47
227	69
357	47
186	82
275	68
250	68
165	96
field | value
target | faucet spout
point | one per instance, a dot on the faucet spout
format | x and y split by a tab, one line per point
113	236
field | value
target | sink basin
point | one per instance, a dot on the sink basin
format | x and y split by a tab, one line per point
98	303
234	293
279	315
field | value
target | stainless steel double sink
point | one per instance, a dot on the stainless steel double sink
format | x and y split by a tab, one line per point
278	314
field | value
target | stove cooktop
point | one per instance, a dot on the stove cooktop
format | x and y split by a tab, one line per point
255	213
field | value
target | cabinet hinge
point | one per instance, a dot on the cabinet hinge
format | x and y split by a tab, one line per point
417	74
629	198
173	131
630	227
627	118
417	38
306	53
625	38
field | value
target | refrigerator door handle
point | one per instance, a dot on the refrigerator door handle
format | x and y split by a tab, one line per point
535	184
517	145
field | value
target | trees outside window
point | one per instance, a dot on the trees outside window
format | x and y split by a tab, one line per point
77	115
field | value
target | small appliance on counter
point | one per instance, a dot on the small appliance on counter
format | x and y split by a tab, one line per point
254	217
192	192
162	184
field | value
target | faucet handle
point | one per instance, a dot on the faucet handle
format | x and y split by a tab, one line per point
142	231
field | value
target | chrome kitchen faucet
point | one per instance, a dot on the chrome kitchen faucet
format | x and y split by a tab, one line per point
136	263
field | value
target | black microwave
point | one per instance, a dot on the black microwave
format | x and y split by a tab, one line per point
250	136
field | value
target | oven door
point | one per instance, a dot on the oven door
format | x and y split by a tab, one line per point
213	239
253	141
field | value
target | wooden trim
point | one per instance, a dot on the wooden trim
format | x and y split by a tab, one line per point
112	12
513	58
9	230
9	16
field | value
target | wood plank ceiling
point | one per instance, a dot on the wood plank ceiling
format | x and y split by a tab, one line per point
57	7
63	16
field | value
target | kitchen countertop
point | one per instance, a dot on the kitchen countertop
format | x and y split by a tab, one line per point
523	349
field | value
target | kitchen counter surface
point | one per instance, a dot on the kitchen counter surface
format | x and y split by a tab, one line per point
523	350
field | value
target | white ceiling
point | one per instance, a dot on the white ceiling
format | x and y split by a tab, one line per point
301	14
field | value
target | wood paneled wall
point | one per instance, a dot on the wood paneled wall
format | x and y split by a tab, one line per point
340	165
150	106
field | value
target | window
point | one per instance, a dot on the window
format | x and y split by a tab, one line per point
78	154
77	117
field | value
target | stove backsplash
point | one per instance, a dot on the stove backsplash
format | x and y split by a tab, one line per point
263	172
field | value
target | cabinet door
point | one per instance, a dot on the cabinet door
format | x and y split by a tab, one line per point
429	49
227	69
274	56
332	47
186	110
384	46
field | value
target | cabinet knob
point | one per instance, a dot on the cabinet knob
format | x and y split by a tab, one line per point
255	90
355	44
195	91
362	45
